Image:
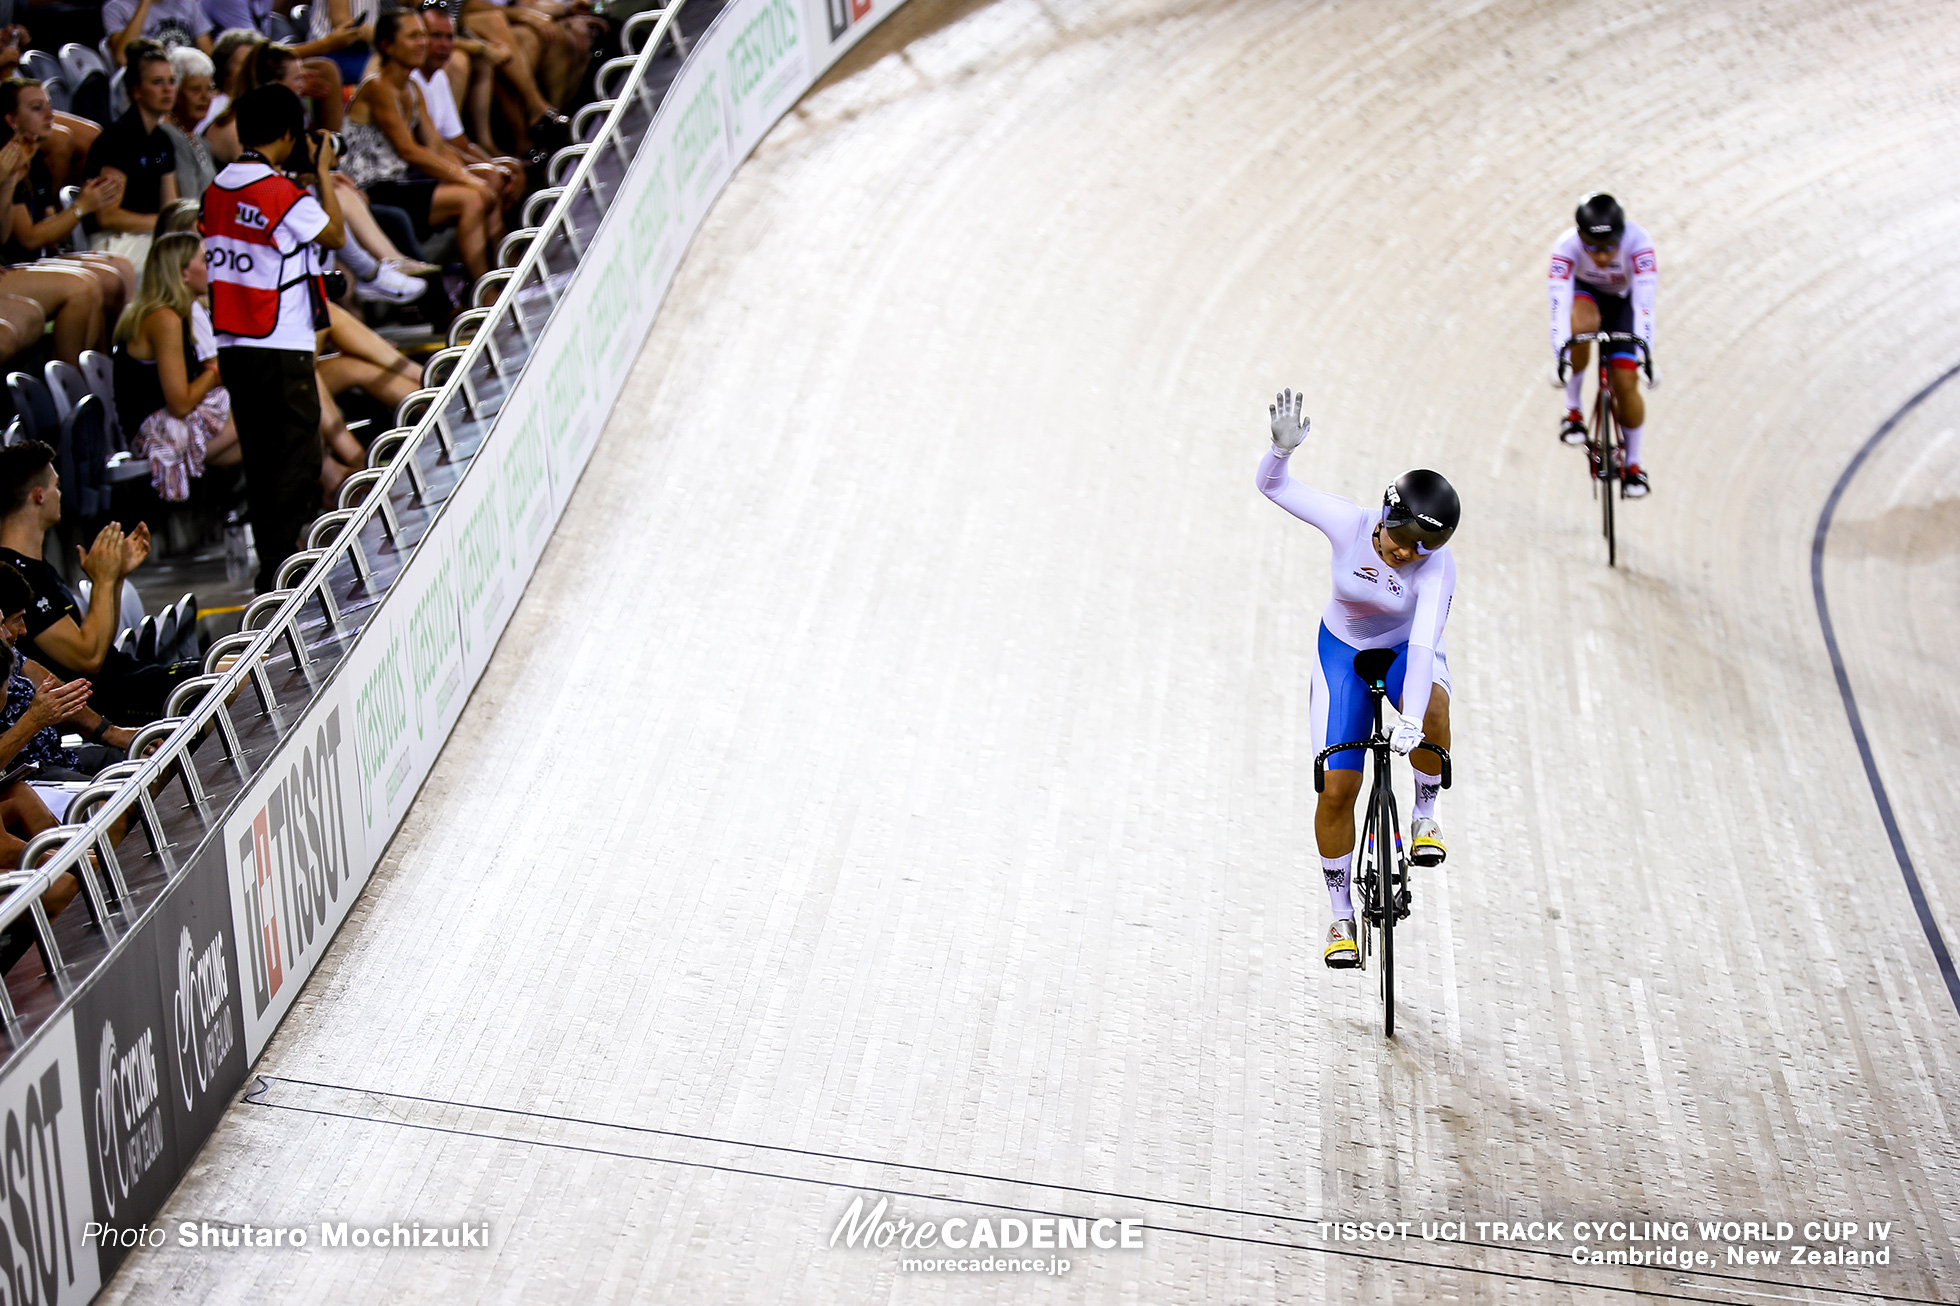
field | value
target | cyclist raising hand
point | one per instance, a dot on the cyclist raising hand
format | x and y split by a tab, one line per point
1393	581
1603	278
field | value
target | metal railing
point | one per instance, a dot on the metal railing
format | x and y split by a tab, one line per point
293	638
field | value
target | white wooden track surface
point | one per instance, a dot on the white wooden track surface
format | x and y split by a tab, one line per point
901	753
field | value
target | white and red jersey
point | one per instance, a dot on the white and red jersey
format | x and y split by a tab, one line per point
1633	271
259	227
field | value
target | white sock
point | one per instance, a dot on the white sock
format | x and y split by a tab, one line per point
1573	384
358	261
1633	434
1427	787
1336	870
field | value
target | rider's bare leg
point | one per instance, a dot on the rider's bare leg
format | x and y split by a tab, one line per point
1632	405
1435	730
1428	766
1585	320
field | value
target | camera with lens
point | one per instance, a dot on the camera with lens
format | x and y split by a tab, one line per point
305	158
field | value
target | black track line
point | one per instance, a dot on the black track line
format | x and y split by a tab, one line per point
1914	890
255	1096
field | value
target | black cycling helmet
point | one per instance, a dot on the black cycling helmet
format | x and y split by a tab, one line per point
1421	509
1599	219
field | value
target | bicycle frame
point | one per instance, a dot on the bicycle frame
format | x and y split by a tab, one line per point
1381	863
1606	440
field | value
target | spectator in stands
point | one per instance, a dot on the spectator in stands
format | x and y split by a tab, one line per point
394	154
21	323
542	126
438	93
14	41
60	139
37	703
235	15
472	76
169	23
353	356
60	635
343	30
195	91
266	308
171	403
137	147
80	291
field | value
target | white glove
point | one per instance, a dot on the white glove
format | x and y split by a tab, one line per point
1406	735
1289	426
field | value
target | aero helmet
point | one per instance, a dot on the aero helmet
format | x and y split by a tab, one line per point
1421	509
1600	219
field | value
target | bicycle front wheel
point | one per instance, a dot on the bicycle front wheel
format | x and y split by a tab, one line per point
1386	904
1606	438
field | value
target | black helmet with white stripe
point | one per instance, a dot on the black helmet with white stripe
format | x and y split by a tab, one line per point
1421	510
1600	220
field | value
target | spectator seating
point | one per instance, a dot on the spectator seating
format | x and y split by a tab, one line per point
40	65
65	386
78	431
99	375
78	61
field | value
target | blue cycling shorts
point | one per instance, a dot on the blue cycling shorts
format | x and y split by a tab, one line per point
1340	711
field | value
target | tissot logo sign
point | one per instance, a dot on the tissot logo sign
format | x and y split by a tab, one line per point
295	852
44	1171
843	13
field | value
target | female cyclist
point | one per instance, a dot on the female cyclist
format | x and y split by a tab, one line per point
1393	581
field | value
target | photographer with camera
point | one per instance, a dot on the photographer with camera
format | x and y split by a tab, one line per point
265	234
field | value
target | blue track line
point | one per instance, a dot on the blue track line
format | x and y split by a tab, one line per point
1913	888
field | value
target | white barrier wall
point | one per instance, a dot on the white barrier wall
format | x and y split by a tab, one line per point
108	1102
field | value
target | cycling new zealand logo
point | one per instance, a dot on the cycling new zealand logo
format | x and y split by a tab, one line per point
200	1010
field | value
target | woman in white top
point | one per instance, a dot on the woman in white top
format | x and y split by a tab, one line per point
394	154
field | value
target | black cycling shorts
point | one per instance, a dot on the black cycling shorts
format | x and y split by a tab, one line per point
1615	314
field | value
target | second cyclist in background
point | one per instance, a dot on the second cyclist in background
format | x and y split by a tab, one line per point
1603	278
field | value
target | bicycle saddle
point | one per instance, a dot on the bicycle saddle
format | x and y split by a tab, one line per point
1372	664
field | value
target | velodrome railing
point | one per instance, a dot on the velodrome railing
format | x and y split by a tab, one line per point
215	870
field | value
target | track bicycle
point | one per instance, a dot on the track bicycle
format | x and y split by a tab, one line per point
1381	867
1605	438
